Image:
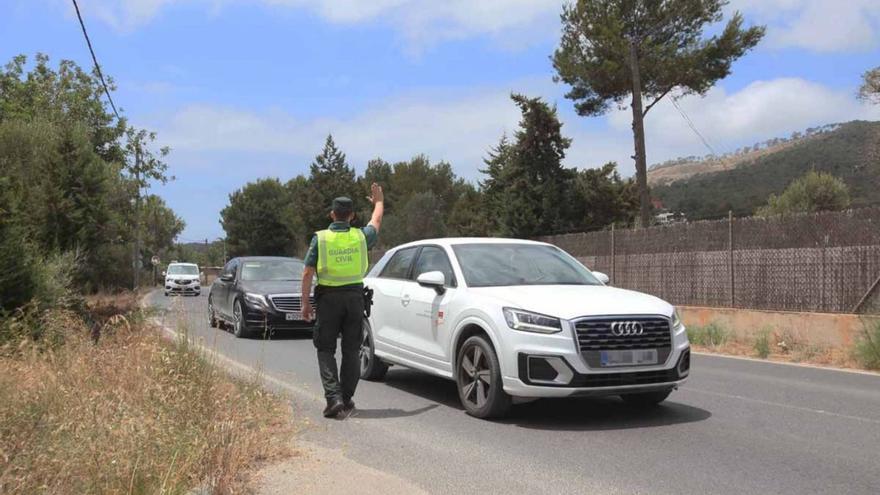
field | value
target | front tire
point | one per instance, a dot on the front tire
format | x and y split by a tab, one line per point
372	368
238	326
480	388
646	399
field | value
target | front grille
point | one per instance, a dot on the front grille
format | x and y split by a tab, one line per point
594	336
183	282
289	303
625	379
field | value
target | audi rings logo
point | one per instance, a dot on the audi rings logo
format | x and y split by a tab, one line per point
626	328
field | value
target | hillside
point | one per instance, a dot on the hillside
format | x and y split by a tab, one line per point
742	181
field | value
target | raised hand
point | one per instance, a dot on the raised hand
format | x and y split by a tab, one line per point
376	194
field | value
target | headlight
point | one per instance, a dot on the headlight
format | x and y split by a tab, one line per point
676	319
255	299
527	321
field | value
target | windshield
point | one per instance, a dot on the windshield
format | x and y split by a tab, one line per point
493	265
272	270
183	270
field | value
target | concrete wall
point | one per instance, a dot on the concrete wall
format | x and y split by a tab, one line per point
825	329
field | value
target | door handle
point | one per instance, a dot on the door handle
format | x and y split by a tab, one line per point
405	300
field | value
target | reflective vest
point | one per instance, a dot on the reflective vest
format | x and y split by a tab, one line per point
342	257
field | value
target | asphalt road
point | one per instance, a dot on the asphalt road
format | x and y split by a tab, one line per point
736	427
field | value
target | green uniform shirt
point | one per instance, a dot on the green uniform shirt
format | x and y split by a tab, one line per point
312	254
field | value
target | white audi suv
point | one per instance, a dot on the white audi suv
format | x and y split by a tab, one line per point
509	319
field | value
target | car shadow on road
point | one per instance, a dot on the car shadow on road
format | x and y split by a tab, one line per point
574	414
601	413
389	412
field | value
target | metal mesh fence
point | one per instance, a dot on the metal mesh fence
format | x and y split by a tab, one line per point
826	262
823	262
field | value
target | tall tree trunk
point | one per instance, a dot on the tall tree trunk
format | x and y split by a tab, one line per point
638	127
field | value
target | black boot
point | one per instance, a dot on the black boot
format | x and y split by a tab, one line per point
349	406
334	407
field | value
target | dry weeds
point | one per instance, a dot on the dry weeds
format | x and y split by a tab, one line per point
133	414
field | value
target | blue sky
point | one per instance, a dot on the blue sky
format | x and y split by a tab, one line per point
243	89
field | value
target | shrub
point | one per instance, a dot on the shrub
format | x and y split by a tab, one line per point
711	335
867	349
53	298
762	343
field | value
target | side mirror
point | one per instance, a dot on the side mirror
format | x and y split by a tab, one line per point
433	280
602	277
227	277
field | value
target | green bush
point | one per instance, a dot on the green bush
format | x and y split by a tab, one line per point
711	335
867	350
52	298
762	343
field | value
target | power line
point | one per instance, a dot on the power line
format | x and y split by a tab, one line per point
690	124
95	59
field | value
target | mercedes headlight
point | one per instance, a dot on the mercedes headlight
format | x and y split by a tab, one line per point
257	300
527	321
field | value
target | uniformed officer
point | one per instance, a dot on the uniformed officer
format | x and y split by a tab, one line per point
338	256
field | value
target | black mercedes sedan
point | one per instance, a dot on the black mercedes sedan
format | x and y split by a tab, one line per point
258	295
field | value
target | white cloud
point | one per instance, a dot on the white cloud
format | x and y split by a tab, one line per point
818	25
461	128
458	129
421	22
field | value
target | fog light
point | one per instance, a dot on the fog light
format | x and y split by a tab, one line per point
548	369
684	363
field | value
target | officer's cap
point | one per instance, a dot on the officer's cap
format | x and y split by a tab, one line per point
342	205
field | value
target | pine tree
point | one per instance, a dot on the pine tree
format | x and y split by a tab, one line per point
614	49
534	180
330	177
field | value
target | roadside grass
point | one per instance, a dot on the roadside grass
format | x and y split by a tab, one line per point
132	413
712	335
867	348
762	343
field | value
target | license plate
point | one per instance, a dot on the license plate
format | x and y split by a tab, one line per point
628	358
296	315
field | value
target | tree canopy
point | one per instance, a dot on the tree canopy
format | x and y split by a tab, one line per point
69	179
870	88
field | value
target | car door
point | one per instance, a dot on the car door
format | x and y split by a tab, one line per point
221	298
387	305
423	319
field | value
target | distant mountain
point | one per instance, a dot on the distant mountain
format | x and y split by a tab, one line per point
742	181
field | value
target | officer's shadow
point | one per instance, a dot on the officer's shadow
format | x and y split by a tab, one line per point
387	413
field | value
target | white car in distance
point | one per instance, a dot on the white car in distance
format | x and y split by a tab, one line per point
508	318
182	278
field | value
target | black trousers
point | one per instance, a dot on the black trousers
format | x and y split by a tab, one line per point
339	311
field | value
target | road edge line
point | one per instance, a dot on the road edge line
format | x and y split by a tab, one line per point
228	361
784	363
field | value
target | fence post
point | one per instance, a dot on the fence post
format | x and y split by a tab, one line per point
824	277
730	257
613	257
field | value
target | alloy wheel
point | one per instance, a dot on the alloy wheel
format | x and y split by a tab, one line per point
475	376
237	317
365	352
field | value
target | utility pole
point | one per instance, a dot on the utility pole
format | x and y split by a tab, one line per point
136	255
